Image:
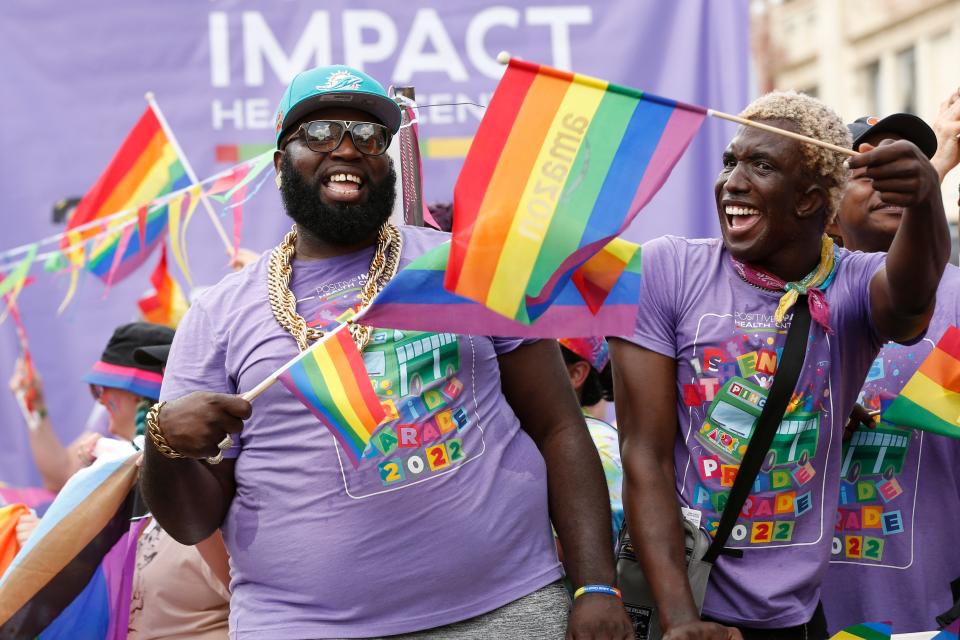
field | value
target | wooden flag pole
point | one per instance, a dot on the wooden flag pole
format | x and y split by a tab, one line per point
504	58
783	132
151	100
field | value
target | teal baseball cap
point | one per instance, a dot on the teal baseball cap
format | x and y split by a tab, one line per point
335	86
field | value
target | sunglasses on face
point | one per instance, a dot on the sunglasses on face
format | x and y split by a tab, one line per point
324	136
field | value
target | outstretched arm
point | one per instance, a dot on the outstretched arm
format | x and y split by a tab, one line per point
903	294
646	399
535	383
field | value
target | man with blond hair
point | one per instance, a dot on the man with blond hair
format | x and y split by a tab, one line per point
692	379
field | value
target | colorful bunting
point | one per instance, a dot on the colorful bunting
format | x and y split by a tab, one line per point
560	165
930	400
12	282
415	299
331	380
9	517
951	632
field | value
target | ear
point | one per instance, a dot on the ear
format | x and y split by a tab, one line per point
578	372
812	202
277	156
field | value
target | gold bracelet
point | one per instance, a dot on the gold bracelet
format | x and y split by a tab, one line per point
156	435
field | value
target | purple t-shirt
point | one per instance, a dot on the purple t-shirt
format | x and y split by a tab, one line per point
894	543
416	536
721	331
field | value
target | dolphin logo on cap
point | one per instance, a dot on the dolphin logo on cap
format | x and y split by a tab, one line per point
341	80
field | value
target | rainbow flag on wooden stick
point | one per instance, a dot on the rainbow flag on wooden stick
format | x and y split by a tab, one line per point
331	380
560	165
601	299
930	400
145	168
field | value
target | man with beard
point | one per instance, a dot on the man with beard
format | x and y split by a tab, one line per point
443	529
691	381
894	555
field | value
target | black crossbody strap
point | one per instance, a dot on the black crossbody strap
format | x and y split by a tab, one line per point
784	381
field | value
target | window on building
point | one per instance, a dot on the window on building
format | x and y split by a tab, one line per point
870	74
906	81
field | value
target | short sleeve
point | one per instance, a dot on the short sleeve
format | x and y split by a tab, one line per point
197	360
503	346
853	294
656	325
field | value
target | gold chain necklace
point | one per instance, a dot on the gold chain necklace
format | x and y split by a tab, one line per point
383	266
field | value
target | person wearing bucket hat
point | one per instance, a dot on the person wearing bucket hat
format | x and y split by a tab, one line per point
904	571
122	384
441	527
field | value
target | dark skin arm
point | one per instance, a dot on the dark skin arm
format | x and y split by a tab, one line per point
903	294
187	496
645	389
535	382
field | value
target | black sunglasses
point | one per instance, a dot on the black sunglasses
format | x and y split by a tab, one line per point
324	136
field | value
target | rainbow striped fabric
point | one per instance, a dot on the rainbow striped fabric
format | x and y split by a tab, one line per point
930	400
166	304
950	632
560	165
143	383
331	380
73	577
144	168
117	255
865	631
600	299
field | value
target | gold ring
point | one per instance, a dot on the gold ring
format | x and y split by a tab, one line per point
226	443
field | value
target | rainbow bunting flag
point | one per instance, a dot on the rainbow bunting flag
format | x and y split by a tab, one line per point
145	168
9	517
331	380
930	400
166	304
865	631
600	299
560	165
73	577
117	255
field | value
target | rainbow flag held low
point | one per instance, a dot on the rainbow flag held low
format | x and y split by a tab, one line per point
600	299
560	165
166	304
331	380
73	576
930	401
865	631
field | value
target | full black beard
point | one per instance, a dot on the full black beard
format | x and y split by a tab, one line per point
341	224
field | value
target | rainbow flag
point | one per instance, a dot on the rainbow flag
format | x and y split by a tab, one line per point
166	304
930	400
117	255
73	577
331	380
865	631
601	298
9	517
145	168
560	165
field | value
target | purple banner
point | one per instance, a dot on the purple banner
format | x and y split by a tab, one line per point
75	75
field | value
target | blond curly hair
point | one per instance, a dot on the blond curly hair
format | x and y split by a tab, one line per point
815	119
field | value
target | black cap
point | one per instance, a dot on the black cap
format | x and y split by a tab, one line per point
128	338
154	355
907	126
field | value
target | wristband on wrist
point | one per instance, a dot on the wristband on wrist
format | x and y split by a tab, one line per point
597	588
